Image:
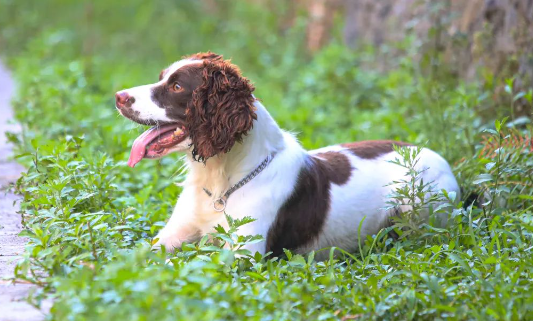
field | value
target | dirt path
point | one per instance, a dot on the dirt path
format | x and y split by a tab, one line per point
12	304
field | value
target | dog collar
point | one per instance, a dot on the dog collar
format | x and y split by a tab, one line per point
219	204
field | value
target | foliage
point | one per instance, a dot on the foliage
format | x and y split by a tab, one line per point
413	197
90	219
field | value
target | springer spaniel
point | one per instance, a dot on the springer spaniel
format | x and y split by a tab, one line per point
241	163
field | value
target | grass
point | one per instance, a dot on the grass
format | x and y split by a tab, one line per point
91	219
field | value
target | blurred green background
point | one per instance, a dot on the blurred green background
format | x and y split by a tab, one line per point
328	93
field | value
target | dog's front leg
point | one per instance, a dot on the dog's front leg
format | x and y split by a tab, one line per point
181	227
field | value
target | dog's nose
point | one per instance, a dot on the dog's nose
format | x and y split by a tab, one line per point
123	100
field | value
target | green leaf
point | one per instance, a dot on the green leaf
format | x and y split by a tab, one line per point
482	178
256	276
490	260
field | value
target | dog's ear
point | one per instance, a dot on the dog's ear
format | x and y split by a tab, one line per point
221	111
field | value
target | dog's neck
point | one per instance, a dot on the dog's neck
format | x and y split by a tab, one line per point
222	171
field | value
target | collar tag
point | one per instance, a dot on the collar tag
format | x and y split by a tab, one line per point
219	205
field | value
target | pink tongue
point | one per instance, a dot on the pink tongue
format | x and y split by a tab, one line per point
138	150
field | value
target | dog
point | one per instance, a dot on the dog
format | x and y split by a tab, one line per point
241	163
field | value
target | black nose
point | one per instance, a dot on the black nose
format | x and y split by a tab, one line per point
123	100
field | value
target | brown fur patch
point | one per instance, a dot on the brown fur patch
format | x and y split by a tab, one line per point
204	56
162	74
371	149
301	218
175	102
338	167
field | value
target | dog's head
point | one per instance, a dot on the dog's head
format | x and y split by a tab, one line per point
201	103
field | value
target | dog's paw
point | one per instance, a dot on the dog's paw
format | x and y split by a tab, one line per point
168	241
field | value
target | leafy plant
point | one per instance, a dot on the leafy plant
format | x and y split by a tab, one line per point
415	201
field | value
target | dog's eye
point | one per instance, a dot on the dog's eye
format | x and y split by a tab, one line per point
176	86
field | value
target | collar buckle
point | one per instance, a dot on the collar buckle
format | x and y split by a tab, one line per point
219	205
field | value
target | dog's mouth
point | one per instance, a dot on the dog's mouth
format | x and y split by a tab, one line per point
157	142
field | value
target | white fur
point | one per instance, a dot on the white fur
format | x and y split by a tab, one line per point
367	193
364	196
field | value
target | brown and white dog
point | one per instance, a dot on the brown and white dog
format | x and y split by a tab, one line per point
301	201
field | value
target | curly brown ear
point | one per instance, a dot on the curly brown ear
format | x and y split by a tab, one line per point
221	111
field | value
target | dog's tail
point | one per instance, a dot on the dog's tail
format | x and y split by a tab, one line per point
473	199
